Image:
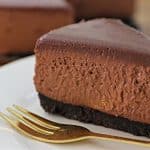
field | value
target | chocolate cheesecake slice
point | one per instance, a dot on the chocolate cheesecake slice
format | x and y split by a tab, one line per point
97	72
23	21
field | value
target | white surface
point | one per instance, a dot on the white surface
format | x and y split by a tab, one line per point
16	87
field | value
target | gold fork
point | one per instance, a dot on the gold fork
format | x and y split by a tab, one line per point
45	130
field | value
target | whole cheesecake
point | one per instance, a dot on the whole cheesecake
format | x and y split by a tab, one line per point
97	72
23	21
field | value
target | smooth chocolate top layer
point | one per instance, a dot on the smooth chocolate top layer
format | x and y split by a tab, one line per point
107	37
33	4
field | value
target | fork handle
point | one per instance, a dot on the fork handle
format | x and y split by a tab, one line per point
119	139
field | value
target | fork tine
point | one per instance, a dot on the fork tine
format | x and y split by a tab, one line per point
26	130
38	119
30	123
7	118
25	123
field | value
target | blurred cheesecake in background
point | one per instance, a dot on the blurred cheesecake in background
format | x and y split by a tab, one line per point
103	8
23	21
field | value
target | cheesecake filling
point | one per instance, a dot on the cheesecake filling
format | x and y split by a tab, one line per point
105	84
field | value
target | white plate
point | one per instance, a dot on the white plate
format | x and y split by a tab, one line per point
16	87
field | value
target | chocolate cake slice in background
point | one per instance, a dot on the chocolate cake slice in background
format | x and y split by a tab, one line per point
23	21
88	9
98	72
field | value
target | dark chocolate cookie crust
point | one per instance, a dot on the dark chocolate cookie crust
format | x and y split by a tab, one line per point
88	115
